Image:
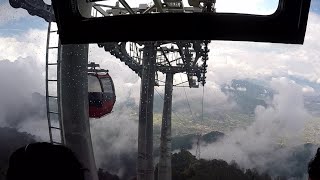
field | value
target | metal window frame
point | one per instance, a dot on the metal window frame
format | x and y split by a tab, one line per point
287	25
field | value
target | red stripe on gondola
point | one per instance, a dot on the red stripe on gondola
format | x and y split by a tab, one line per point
98	112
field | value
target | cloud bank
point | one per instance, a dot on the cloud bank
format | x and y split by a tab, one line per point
277	126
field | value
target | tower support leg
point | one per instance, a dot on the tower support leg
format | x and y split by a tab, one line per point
74	100
164	167
75	106
145	169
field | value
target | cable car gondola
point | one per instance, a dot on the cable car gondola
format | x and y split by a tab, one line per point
101	92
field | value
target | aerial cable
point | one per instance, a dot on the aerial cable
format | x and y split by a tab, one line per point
172	108
198	151
202	103
188	101
199	135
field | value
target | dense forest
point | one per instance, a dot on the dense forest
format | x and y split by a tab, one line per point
184	165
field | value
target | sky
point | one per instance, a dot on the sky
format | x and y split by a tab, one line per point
245	6
22	72
19	29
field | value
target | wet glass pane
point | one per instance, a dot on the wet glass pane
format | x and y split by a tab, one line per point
52	72
52	88
53	105
257	116
94	84
56	136
54	118
107	85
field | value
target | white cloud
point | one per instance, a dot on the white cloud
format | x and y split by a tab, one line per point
308	90
19	80
29	44
281	124
242	89
230	60
115	140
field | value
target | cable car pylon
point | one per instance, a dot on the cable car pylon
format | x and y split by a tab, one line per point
190	58
145	168
164	166
73	102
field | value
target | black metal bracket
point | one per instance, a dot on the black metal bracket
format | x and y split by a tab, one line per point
35	8
287	25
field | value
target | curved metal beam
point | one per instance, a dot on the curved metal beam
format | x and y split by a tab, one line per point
286	25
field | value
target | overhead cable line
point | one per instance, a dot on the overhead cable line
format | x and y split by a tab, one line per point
163	99
188	101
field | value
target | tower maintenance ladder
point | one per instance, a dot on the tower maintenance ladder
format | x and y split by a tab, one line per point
53	105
